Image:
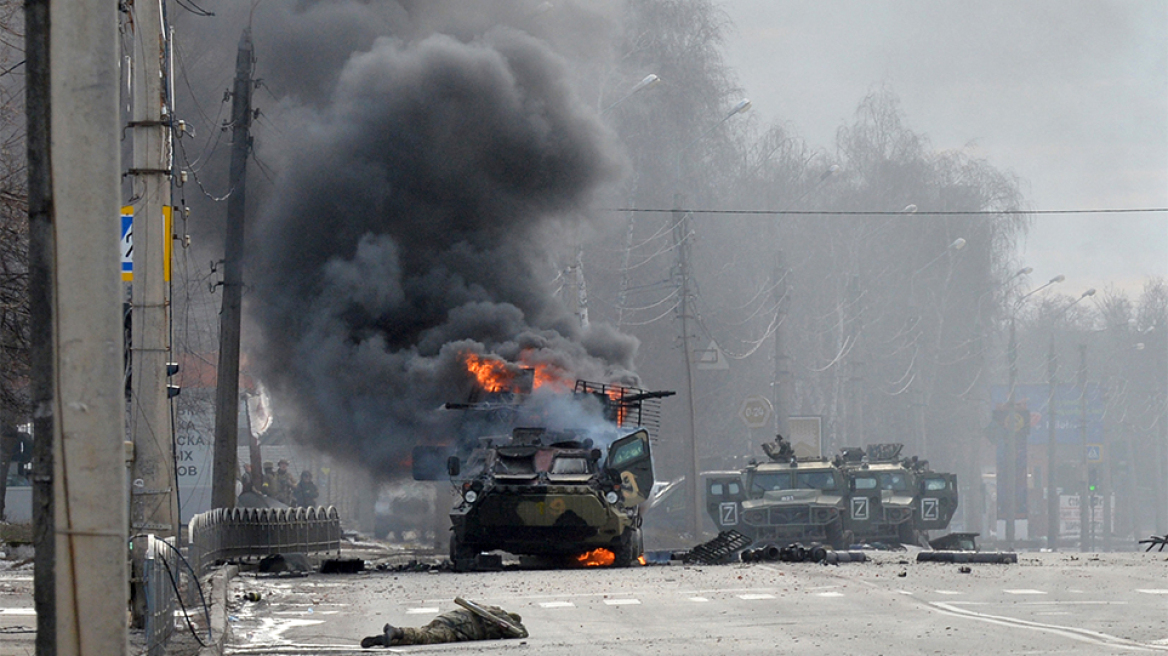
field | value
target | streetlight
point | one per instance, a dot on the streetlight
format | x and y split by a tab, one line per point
1052	496
651	80
1011	461
781	384
681	242
576	285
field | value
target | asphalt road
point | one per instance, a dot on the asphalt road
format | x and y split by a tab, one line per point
1047	604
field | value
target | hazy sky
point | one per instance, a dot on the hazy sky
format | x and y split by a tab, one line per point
1069	95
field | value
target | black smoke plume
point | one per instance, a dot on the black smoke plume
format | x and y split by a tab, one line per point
412	225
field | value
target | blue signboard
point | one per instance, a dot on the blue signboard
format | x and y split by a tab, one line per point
1068	411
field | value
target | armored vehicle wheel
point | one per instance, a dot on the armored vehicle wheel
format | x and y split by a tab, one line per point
837	537
630	549
462	556
906	533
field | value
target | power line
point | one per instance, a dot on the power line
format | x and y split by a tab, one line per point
894	213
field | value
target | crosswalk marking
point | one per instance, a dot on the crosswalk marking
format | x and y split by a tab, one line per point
905	592
17	611
829	594
755	597
1152	590
622	602
557	604
421	611
1024	591
947	592
698	599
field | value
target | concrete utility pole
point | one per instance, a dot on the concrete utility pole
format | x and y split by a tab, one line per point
153	487
227	388
782	389
682	242
1011	461
1086	530
856	411
1052	494
77	373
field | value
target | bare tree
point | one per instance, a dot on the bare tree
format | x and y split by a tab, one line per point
13	240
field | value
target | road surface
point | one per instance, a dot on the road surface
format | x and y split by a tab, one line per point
1047	604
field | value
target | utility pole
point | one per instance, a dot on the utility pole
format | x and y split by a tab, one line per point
782	391
1011	461
227	389
857	365
681	241
1052	493
76	381
153	489
1085	528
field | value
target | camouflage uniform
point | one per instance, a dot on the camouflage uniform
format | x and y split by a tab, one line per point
456	626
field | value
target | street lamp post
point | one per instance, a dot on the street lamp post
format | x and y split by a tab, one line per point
682	242
1011	461
919	395
1052	494
782	383
577	289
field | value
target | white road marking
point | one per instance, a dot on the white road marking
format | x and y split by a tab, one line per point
1059	602
421	611
755	597
1054	612
1152	591
698	599
17	611
905	592
947	592
557	604
1072	632
622	602
829	594
1024	591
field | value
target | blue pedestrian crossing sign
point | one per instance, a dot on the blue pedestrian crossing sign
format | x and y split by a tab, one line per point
1094	453
127	244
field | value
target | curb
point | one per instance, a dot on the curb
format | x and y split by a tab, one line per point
220	583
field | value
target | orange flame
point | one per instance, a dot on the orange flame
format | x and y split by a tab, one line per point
641	560
596	558
615	394
491	373
547	374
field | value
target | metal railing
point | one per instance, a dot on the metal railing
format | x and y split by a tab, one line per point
226	533
161	575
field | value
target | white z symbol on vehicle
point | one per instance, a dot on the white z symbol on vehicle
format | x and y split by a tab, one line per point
729	513
860	508
929	509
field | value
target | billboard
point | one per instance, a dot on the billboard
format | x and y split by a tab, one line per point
1068	406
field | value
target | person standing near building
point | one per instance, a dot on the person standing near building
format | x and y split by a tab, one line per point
285	485
306	492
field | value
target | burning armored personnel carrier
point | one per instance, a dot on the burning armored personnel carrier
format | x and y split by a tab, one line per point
567	495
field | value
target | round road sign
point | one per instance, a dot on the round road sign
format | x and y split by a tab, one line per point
755	411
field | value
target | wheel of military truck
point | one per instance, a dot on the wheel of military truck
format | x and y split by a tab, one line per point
906	534
630	549
836	536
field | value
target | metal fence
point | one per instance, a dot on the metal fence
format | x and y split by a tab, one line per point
226	533
161	575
